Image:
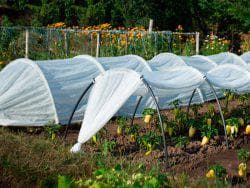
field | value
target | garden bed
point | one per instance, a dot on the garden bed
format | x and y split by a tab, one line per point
30	156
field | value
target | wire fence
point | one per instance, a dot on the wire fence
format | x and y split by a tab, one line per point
50	43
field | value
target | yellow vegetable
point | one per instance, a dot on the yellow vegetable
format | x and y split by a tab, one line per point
209	121
170	131
165	126
204	141
241	173
94	139
210	174
243	166
148	152
248	129
53	136
119	130
228	129
230	97
132	138
147	118
241	121
236	129
191	131
232	130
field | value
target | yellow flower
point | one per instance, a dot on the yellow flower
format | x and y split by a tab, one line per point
180	27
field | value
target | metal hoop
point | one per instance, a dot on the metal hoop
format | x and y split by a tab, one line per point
136	107
74	109
219	106
160	118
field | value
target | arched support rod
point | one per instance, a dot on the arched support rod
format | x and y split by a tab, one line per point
189	103
160	118
136	107
219	106
77	104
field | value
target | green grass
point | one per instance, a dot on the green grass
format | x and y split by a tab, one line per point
39	161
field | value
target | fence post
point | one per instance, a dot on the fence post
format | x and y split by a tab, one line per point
98	44
150	27
26	43
66	43
197	42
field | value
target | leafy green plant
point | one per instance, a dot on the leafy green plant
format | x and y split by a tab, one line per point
118	177
208	131
175	103
181	141
64	182
219	170
108	146
229	97
148	111
51	129
232	126
122	124
243	155
195	108
243	98
149	141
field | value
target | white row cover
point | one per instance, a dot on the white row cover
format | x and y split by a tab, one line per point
33	93
114	87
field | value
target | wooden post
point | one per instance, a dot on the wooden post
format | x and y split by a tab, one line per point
66	43
150	27
98	44
197	42
26	43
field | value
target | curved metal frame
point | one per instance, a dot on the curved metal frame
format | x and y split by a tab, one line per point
77	104
159	115
218	104
189	103
136	107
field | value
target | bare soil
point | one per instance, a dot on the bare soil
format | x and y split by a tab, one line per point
192	159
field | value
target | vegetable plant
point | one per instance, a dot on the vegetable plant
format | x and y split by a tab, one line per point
219	170
208	132
229	97
195	108
133	132
147	114
122	123
193	125
52	129
243	98
64	181
181	141
232	126
243	155
108	146
149	140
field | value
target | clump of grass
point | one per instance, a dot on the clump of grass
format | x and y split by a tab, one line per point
35	159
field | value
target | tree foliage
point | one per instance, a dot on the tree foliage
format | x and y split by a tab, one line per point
218	16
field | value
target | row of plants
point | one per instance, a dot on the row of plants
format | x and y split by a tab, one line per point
59	41
104	167
118	177
180	129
